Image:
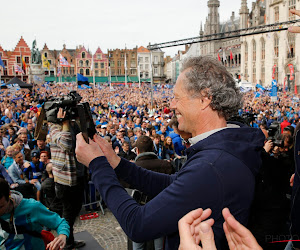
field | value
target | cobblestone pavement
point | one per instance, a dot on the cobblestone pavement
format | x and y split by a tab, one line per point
105	229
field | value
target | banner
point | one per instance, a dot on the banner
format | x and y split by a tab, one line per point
46	63
291	67
274	69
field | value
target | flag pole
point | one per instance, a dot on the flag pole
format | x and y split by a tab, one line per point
125	64
109	71
151	69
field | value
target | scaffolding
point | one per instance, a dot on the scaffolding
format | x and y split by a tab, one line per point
226	35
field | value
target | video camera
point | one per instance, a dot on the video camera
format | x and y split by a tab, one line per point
74	110
274	134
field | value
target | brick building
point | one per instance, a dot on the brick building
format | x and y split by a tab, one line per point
117	62
11	58
83	61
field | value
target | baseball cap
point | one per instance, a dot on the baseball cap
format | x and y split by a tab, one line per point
35	154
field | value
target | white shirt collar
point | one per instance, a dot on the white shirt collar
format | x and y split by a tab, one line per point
200	137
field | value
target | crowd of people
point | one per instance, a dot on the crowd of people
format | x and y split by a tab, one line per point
227	149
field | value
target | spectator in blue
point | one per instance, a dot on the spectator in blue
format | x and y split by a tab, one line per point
7	160
163	131
176	139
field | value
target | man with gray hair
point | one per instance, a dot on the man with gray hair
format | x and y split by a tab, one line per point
220	168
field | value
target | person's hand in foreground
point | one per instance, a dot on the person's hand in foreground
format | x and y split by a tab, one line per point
192	230
86	152
108	151
294	29
58	243
238	236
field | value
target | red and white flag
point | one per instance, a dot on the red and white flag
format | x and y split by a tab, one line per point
18	69
63	61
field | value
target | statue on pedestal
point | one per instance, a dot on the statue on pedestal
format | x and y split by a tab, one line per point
35	54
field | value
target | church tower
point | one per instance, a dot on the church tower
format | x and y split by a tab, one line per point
213	20
244	15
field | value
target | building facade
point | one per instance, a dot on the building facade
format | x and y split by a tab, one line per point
13	58
118	63
100	63
158	64
144	66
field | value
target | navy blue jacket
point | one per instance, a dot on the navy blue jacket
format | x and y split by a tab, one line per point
219	172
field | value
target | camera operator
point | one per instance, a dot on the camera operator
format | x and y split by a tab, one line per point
271	205
69	181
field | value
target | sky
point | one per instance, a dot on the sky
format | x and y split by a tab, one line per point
109	24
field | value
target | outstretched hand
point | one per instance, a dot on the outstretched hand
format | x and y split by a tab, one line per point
108	151
193	229
85	153
294	29
238	236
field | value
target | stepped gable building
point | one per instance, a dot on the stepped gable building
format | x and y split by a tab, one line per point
100	63
11	58
83	61
144	62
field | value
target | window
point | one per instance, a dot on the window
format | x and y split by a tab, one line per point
5	63
155	59
141	66
87	72
112	64
81	71
276	45
292	5
155	71
99	56
132	54
18	59
146	66
119	63
96	65
102	65
113	72
254	72
262	73
119	72
140	59
133	71
80	63
276	14
48	61
122	55
64	70
263	49
96	73
72	71
254	51
146	59
246	52
132	63
146	75
87	62
83	55
102	73
45	54
291	46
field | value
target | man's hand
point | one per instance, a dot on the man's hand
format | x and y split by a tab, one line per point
108	151
61	113
58	243
192	230
33	181
268	146
238	236
294	29
292	180
26	164
85	153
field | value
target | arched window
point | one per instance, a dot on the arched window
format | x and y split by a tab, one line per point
253	50
87	63
80	63
263	49
45	54
291	46
254	72
262	72
87	72
81	71
276	45
83	55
